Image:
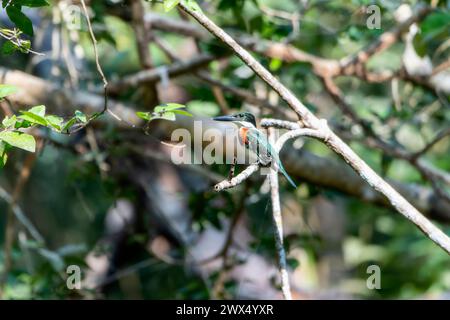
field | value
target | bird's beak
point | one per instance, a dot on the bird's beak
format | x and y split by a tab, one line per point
225	118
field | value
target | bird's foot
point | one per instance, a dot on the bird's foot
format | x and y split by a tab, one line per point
232	169
264	164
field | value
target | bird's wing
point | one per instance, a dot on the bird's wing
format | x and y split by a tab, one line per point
258	143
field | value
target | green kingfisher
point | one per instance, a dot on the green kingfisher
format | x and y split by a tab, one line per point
256	141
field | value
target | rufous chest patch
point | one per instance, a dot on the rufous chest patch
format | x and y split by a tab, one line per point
243	135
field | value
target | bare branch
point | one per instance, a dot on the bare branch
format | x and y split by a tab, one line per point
278	223
443	66
280	124
21	216
97	59
241	177
441	135
298	133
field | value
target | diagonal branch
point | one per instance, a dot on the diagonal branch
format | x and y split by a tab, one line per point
241	177
96	54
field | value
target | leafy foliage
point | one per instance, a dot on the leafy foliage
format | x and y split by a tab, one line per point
14	10
12	134
165	112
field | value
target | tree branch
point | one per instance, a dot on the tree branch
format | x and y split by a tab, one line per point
278	224
279	124
241	177
97	59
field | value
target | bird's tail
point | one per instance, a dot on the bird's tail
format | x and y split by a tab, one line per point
281	169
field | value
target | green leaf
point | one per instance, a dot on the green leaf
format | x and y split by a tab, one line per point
293	263
19	140
21	123
166	108
20	19
171	106
144	115
54	121
3	159
170	4
159	110
35	115
193	5
80	116
275	64
25	46
32	3
435	21
170	116
8	48
3	155
6	90
182	112
165	112
420	45
38	110
9	122
69	124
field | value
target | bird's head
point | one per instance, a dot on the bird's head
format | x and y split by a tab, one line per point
243	119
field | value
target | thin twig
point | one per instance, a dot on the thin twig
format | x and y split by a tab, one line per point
232	169
278	223
97	59
241	177
443	66
15	39
102	75
280	124
21	217
441	135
